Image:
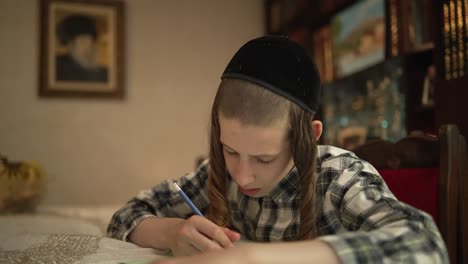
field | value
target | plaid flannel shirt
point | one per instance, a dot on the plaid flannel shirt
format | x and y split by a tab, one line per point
358	215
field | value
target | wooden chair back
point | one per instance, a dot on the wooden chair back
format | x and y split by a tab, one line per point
439	164
449	186
456	214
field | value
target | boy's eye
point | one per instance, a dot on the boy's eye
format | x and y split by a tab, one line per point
230	152
264	161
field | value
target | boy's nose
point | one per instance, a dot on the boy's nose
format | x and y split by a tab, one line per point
244	173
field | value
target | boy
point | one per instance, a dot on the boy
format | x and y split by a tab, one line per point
267	180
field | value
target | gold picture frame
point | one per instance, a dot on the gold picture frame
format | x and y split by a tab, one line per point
81	48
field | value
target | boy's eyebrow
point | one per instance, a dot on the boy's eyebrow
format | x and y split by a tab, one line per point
255	156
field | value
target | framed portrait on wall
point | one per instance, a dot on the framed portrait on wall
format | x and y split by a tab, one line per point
81	48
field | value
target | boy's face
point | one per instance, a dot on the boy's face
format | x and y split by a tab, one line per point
256	157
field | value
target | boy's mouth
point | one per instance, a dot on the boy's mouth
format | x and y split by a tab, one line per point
249	191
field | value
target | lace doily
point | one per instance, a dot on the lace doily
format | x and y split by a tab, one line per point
58	248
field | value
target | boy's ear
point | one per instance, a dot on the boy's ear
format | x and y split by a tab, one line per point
317	128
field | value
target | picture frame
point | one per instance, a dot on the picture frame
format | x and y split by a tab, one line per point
82	48
358	37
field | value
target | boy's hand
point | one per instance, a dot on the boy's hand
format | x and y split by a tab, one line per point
198	234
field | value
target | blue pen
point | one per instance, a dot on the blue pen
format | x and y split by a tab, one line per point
187	200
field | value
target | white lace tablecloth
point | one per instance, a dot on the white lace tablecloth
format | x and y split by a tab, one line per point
96	214
56	239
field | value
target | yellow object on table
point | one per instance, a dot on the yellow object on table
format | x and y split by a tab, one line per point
22	185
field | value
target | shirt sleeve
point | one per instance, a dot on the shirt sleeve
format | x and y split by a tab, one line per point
161	201
375	226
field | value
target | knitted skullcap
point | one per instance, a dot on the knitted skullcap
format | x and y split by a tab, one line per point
279	65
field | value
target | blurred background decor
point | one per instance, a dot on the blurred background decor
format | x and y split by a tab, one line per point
22	185
358	36
371	100
429	37
82	48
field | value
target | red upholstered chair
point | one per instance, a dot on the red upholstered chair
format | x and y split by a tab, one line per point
418	157
429	173
380	153
402	183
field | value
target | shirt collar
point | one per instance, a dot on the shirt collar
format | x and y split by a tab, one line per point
287	188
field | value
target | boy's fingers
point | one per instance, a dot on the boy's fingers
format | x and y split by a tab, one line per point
186	249
232	235
189	250
214	232
202	243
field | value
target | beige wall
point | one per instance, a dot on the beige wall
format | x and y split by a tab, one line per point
101	151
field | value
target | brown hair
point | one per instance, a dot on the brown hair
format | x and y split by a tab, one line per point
258	106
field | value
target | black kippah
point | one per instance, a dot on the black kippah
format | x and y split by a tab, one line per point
280	65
